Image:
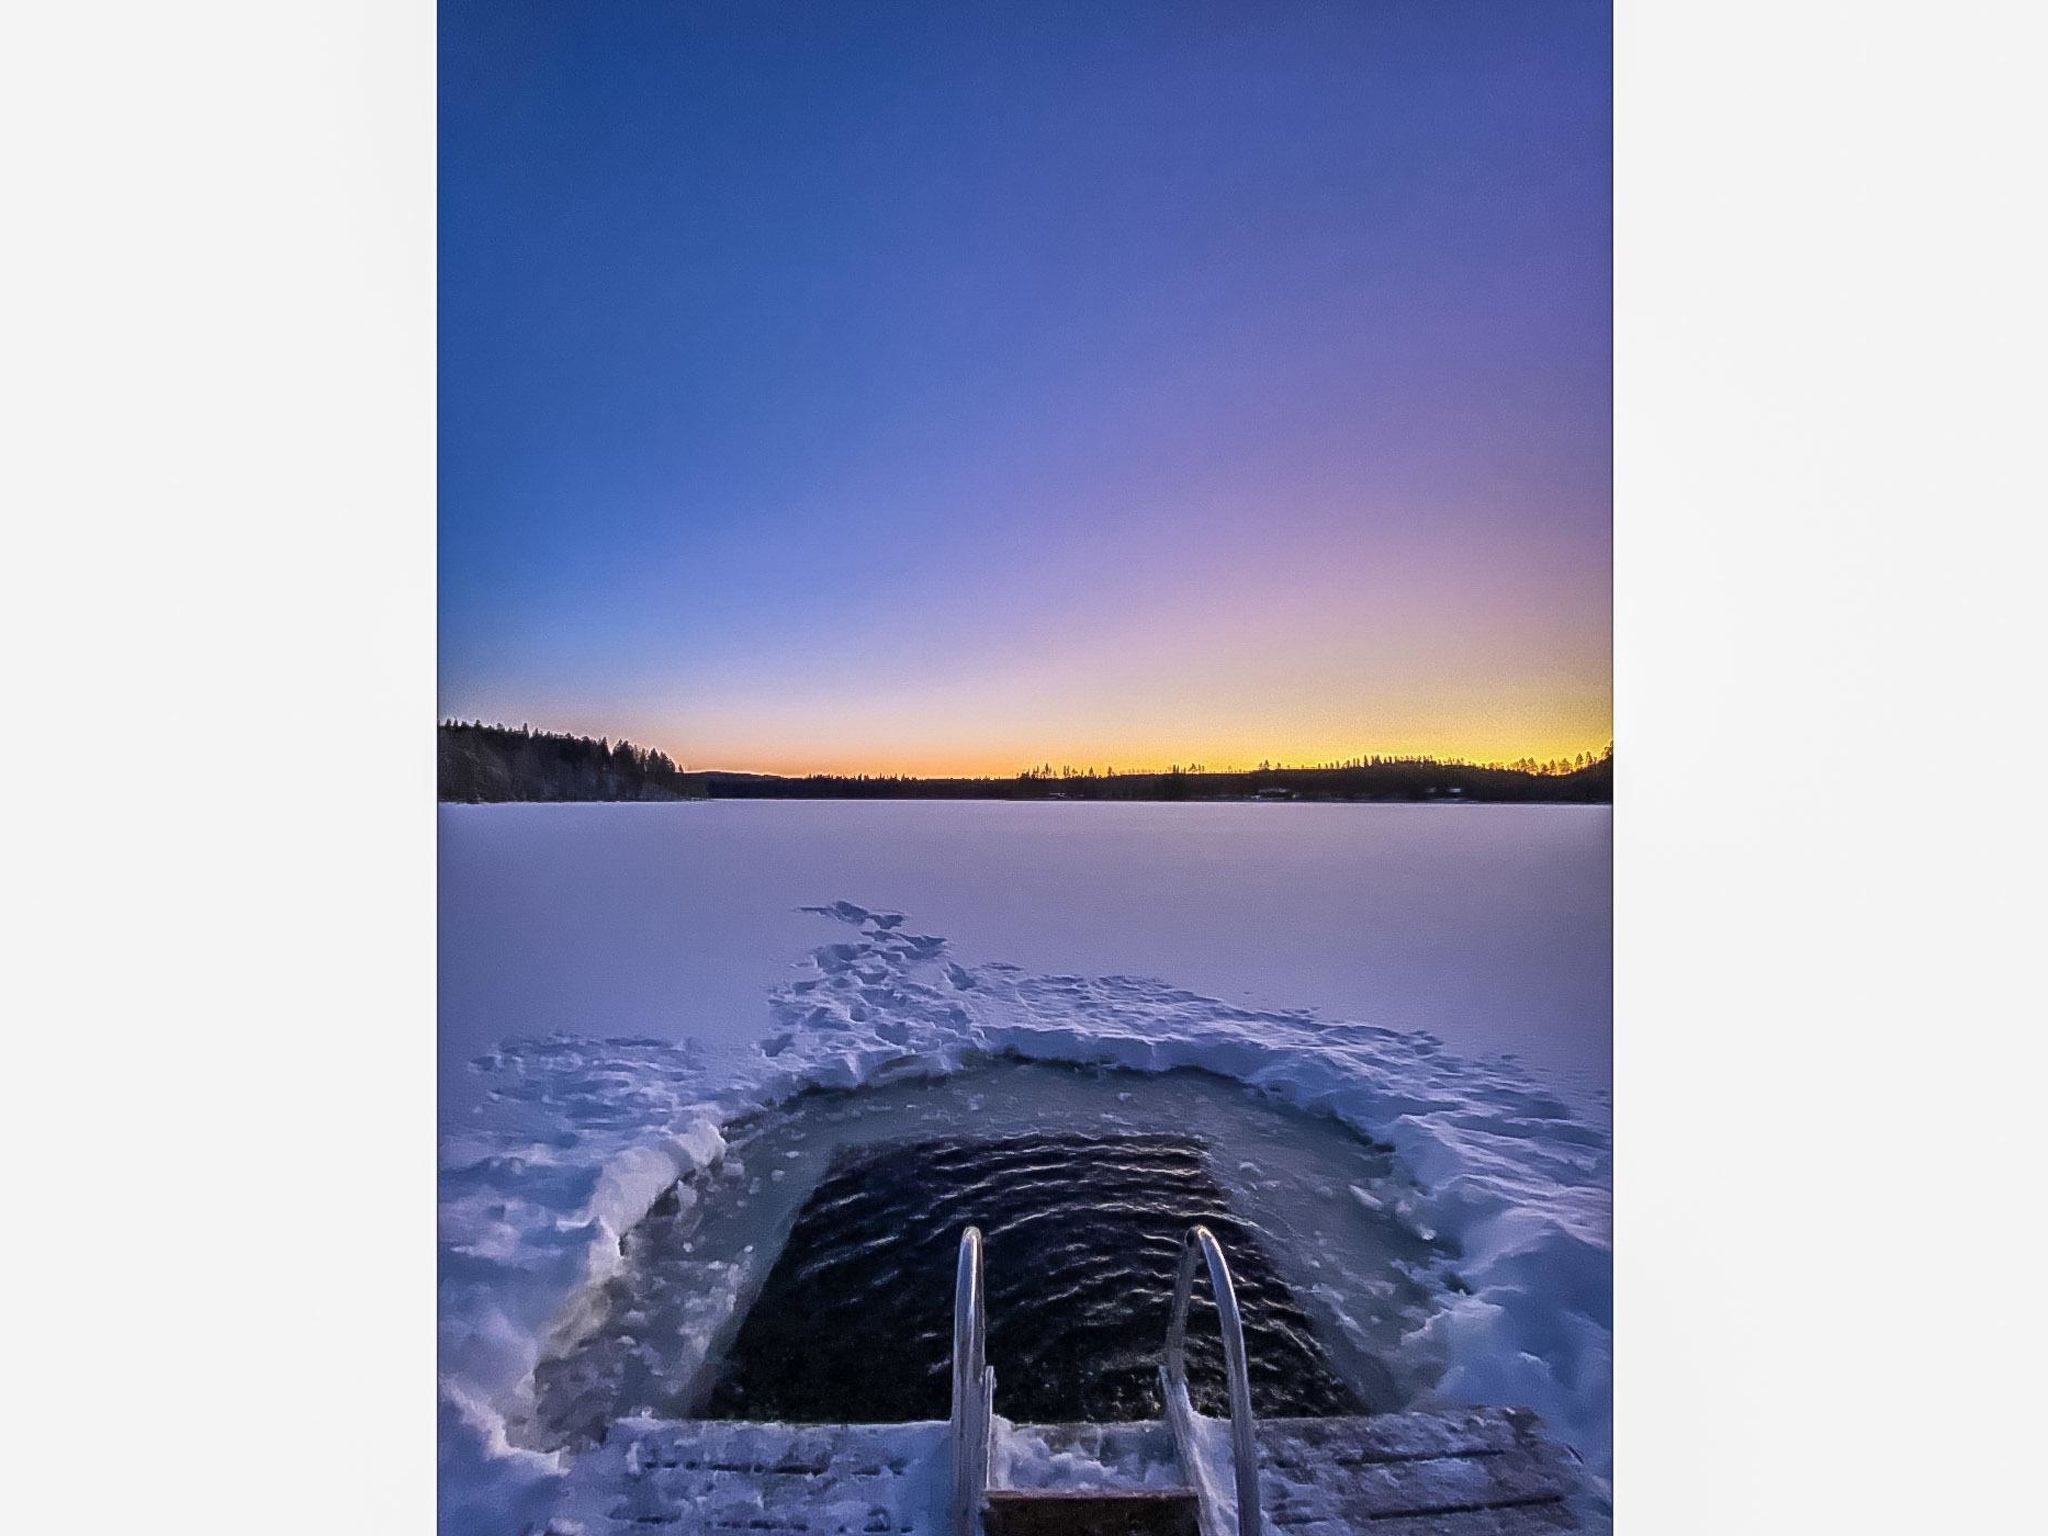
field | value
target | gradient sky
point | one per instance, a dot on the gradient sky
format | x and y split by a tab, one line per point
959	387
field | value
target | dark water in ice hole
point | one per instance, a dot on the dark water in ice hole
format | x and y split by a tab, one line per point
1082	1240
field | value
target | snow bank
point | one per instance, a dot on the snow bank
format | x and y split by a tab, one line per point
578	1138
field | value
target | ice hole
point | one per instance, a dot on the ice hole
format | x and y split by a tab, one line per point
810	1277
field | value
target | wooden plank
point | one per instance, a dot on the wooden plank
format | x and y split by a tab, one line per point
767	1479
1546	1519
1379	1490
1466	1472
1392	1436
1477	1472
1092	1512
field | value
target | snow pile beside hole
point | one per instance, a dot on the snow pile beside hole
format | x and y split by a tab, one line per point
580	1137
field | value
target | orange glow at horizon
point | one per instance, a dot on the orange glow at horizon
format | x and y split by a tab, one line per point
1003	766
1132	758
1296	650
932	737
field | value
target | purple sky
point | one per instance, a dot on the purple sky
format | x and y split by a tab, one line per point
960	388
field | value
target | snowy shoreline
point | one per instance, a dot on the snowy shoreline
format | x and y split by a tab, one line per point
579	1137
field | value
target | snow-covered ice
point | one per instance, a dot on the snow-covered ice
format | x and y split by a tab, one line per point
577	1138
1485	925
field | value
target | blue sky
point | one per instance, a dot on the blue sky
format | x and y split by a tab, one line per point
950	387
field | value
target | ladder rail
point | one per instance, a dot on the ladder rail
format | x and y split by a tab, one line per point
973	1418
1244	1450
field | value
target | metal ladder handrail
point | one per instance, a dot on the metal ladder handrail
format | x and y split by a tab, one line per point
1244	1450
974	1386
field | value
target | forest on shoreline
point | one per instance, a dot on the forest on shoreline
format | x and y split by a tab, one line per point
481	763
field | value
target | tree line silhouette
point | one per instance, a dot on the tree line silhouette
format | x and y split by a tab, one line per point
481	762
1397	779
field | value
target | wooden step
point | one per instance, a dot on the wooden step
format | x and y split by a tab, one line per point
1457	1472
1091	1512
1444	1472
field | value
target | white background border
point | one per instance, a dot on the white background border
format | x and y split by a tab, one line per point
1828	842
218	622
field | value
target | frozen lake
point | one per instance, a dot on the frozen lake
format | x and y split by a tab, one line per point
1312	1000
1486	925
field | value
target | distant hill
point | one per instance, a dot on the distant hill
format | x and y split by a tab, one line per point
493	762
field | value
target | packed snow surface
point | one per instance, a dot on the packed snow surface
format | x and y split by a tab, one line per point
570	1140
1486	925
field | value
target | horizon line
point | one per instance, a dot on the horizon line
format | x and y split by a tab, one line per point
1048	767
